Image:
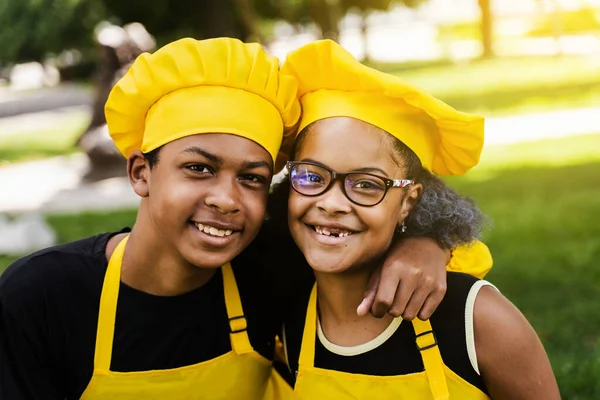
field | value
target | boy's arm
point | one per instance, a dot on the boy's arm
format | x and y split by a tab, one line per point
26	372
412	280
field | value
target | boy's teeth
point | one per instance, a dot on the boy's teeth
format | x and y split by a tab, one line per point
211	230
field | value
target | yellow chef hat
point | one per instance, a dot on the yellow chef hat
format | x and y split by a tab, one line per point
193	86
332	83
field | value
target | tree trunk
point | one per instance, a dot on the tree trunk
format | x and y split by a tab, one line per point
487	28
557	26
219	18
247	17
326	14
364	31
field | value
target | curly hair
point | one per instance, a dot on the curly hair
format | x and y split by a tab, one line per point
441	213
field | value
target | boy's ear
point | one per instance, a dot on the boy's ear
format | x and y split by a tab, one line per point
410	200
138	171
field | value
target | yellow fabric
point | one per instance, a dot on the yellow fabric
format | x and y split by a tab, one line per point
332	83
436	382
240	374
193	86
473	259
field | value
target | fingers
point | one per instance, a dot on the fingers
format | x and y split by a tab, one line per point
431	303
370	294
418	296
389	282
403	296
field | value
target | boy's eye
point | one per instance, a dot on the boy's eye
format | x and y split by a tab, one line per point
253	179
200	168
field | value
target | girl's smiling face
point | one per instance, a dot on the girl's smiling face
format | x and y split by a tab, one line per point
335	234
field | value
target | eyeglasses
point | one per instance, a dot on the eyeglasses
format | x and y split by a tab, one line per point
361	188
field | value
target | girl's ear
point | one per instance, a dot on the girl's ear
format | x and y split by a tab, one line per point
138	172
410	200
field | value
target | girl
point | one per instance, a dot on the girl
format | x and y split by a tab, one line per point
362	173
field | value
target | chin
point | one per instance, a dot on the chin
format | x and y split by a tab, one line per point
328	264
208	260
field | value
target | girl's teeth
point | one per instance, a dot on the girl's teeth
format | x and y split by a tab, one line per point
327	232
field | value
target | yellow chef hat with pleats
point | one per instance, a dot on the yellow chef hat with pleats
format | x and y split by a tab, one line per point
332	83
190	87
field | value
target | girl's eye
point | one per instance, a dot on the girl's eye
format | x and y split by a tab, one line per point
308	179
368	185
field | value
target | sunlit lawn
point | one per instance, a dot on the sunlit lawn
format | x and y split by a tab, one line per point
544	203
492	88
18	143
543	199
511	85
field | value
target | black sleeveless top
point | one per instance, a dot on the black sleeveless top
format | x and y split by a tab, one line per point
398	355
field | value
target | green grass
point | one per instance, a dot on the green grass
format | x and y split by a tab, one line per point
58	138
543	200
572	22
76	226
506	86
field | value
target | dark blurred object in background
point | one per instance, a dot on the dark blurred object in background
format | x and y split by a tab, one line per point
118	47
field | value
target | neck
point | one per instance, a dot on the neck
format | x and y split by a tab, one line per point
153	267
339	295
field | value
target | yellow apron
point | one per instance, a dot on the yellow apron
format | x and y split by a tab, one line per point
436	382
240	374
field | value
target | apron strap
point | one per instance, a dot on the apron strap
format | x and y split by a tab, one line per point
432	359
108	308
307	349
238	327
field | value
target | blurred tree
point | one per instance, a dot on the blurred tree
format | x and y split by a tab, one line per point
326	14
368	6
29	29
556	16
487	28
168	20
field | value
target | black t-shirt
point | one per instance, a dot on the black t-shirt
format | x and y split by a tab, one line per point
398	355
49	305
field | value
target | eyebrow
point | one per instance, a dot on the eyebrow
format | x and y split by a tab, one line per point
370	170
256	164
197	150
219	160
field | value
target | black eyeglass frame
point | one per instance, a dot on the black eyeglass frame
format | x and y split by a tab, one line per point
335	176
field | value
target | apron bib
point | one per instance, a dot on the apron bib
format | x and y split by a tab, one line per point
437	382
240	374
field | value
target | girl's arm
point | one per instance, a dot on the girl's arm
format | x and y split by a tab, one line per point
510	356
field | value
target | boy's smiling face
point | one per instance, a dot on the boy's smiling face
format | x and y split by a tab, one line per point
207	195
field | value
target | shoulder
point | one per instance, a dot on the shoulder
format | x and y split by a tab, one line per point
497	320
511	357
53	270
